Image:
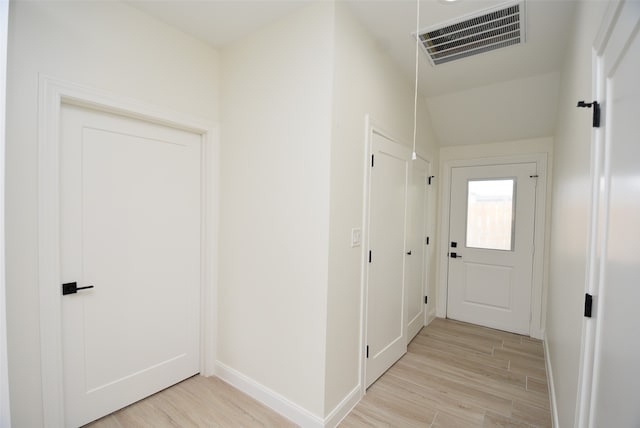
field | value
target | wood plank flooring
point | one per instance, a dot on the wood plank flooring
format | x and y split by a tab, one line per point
453	375
460	375
197	402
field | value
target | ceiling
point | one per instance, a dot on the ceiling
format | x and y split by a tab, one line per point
218	22
392	22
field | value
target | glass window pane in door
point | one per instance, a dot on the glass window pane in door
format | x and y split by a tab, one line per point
490	214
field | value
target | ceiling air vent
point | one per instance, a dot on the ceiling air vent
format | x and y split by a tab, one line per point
484	31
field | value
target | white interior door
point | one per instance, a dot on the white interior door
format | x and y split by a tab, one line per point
130	228
491	233
614	401
386	329
416	254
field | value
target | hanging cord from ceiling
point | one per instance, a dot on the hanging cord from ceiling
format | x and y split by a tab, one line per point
415	92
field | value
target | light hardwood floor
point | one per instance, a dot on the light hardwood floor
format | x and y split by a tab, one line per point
197	402
460	375
453	375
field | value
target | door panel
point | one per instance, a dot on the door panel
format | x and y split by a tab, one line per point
488	285
415	270
130	210
386	329
491	234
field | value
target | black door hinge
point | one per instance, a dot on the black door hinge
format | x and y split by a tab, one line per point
426	241
372	161
367	351
429	179
426	299
596	111
369	256
588	305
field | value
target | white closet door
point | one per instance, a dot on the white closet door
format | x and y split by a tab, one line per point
130	228
386	324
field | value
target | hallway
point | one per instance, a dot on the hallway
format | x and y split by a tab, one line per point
460	375
454	375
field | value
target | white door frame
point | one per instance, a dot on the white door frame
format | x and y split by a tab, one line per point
536	326
5	408
52	94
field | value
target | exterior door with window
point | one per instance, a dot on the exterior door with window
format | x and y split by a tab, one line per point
491	234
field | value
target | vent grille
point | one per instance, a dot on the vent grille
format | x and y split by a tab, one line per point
483	32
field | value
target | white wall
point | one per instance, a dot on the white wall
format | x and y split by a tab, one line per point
274	219
513	110
365	82
570	215
492	150
108	46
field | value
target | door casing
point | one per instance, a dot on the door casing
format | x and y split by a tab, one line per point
536	325
52	94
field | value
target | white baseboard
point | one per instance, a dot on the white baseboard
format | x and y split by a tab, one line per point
552	388
268	397
343	408
431	316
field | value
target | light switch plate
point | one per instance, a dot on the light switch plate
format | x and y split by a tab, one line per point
356	237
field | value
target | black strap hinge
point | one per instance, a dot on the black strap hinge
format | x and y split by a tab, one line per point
596	111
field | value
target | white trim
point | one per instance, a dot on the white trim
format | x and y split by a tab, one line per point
430	317
268	397
209	255
5	408
606	26
52	93
363	257
343	408
428	253
587	350
550	383
537	304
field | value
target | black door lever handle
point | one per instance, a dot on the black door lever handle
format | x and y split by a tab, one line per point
72	288
409	253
